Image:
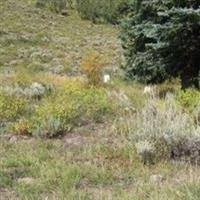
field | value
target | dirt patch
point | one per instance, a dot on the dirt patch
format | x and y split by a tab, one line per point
5	194
88	134
73	141
26	180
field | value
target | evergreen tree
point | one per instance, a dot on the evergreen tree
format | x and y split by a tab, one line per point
161	39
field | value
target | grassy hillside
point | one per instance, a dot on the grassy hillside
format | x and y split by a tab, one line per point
34	38
62	138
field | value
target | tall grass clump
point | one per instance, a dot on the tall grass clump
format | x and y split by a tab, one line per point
54	5
189	100
102	11
165	129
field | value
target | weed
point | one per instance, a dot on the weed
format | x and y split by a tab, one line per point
92	66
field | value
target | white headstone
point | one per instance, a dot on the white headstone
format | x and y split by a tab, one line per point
106	78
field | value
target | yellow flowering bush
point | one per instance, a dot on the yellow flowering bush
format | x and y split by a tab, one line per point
11	107
189	99
72	105
22	127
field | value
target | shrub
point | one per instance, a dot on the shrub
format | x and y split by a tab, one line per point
102	11
22	127
11	107
58	114
51	127
70	106
54	5
171	132
35	91
92	66
22	78
189	99
146	151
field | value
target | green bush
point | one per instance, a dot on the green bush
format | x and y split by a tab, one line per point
189	99
71	106
21	127
161	130
54	5
11	107
102	11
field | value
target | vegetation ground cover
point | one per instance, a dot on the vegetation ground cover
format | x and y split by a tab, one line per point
64	139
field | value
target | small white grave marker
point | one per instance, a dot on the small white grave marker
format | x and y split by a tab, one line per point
148	90
106	78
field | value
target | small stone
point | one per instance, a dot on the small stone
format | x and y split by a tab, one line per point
156	178
13	139
74	141
106	78
64	13
26	180
13	62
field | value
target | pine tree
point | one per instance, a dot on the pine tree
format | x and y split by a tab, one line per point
161	39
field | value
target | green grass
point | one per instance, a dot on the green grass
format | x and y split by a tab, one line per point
95	171
47	48
94	160
35	36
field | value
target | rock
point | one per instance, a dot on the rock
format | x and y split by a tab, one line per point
26	180
106	78
13	62
149	90
64	13
13	139
156	178
74	141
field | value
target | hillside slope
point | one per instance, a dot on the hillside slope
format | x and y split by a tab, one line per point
93	156
31	37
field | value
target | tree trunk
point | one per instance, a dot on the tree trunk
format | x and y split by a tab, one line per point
190	75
